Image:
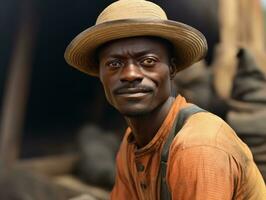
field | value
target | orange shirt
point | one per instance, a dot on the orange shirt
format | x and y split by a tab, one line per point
207	161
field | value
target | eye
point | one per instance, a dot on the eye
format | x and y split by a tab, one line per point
114	64
149	61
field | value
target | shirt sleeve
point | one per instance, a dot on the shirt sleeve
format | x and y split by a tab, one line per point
202	173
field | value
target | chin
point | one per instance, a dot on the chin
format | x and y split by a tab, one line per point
134	112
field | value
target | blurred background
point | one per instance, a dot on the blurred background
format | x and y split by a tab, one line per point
55	123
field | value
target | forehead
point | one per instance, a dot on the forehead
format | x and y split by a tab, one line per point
135	45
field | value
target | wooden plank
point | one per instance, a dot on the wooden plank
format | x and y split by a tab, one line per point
17	183
17	87
50	166
225	61
70	181
241	25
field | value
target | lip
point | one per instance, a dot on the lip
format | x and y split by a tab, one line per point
128	91
134	95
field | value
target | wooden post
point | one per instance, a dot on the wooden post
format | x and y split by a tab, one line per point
225	52
256	40
255	27
241	25
251	33
17	87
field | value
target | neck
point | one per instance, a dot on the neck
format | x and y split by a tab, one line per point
145	127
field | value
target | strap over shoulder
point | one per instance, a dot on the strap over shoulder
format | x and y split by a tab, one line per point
181	118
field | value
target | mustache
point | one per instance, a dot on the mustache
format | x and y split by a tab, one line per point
127	89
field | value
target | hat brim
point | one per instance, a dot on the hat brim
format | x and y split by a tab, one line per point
190	45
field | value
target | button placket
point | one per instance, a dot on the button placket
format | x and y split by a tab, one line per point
140	167
143	185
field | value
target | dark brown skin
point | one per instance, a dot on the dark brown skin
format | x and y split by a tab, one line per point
136	74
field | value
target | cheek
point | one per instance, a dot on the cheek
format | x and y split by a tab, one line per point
108	88
166	87
107	92
162	79
109	83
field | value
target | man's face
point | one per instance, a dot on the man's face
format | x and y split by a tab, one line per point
135	73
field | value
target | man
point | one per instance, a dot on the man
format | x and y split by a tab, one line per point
136	52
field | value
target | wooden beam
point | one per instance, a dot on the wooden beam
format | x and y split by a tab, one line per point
225	61
241	25
17	87
51	165
71	182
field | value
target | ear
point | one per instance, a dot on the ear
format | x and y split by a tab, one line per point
173	68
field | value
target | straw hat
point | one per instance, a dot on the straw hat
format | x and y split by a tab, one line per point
131	18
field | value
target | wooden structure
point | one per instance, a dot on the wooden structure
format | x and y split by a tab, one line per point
241	25
17	86
50	177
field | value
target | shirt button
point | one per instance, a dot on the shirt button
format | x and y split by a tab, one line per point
143	186
140	167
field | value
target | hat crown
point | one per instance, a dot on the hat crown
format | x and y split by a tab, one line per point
131	9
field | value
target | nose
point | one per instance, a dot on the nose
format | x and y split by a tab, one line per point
131	73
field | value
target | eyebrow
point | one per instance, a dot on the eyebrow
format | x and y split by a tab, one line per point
134	54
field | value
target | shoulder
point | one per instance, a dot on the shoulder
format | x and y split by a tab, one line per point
208	149
202	170
207	131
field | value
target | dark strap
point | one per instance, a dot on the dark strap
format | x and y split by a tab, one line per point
183	115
